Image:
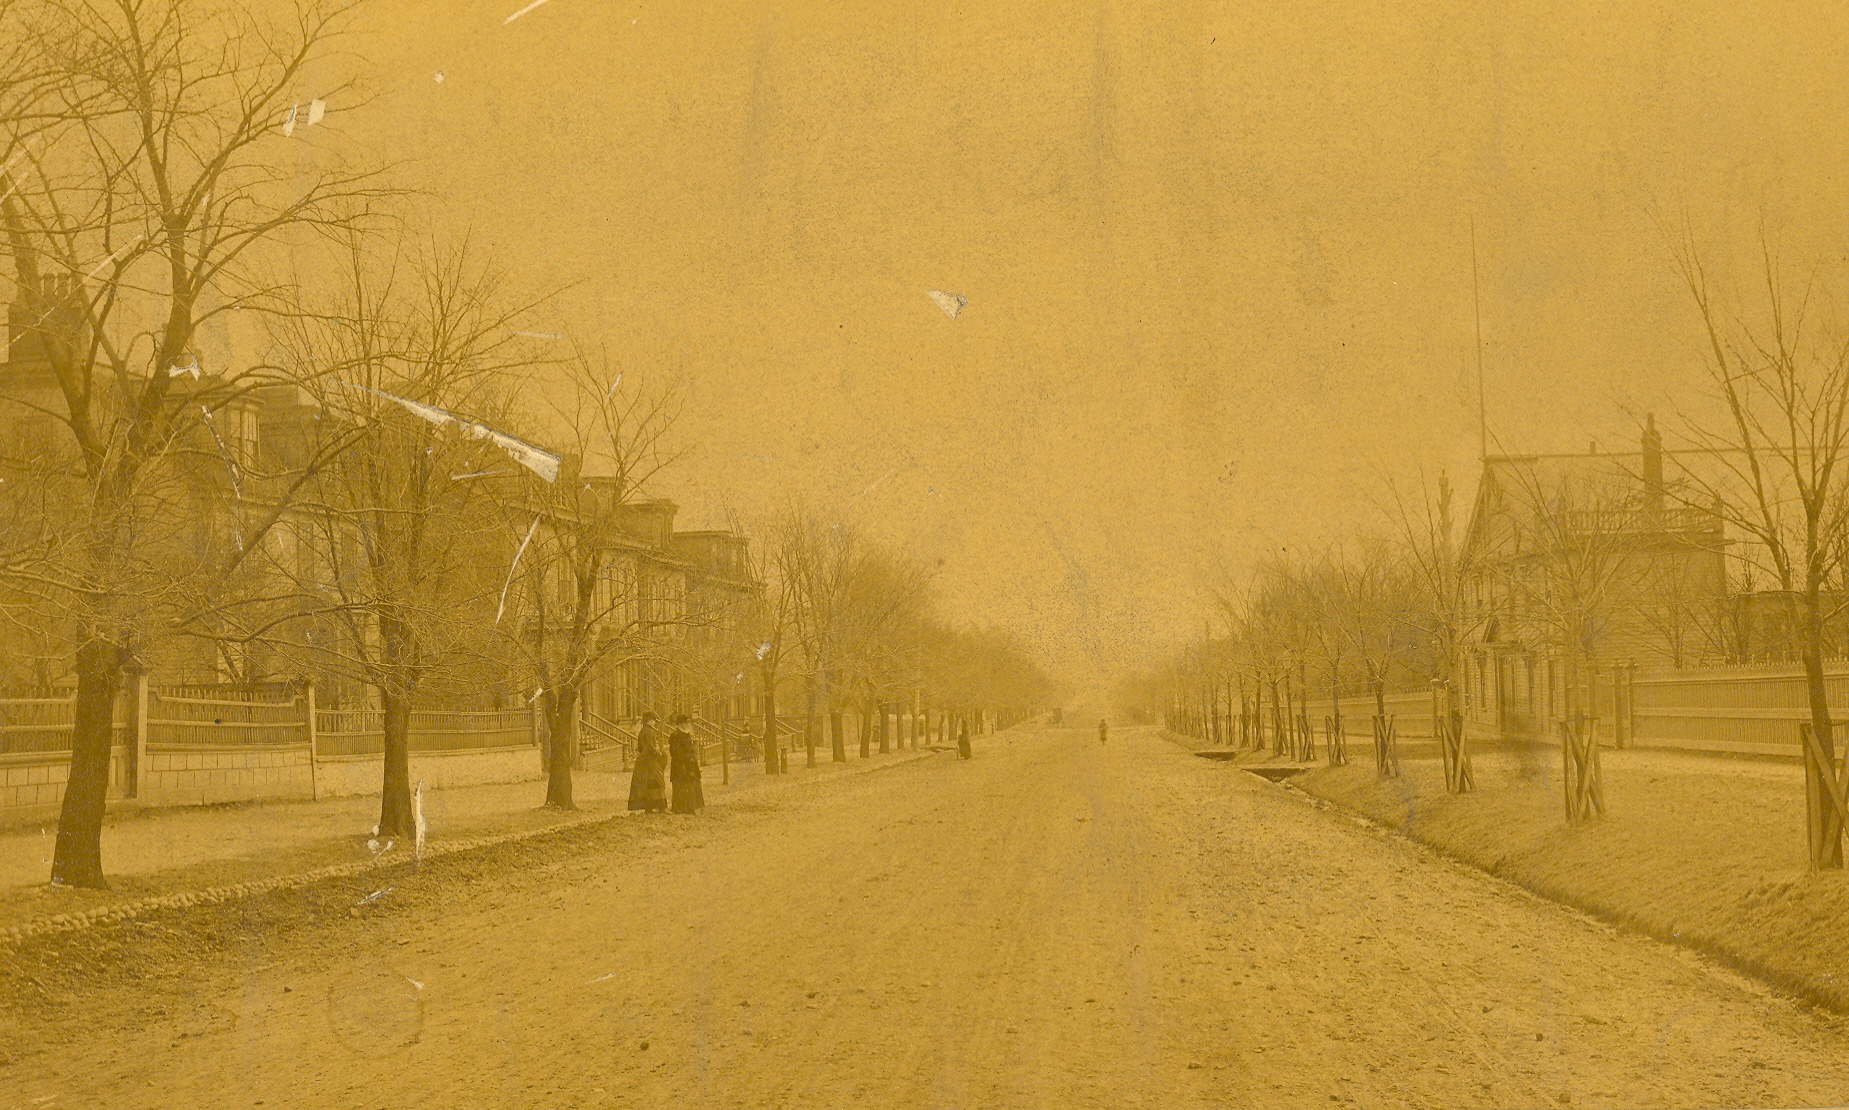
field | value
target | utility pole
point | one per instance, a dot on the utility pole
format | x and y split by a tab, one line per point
1476	300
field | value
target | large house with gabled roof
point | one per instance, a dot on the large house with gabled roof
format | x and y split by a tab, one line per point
1580	562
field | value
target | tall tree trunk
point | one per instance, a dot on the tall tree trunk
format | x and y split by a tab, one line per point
773	755
866	728
1289	715
837	744
1818	696
811	718
1277	721
879	708
1335	690
77	858
562	745
395	818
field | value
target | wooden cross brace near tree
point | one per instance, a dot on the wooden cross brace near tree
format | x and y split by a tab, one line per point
1338	742
1774	465
1448	727
1826	800
1460	778
1386	746
1582	781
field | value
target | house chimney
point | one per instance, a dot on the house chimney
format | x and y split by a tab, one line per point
1653	467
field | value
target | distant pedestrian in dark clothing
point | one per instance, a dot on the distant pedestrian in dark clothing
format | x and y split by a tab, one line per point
648	785
684	767
963	740
1104	732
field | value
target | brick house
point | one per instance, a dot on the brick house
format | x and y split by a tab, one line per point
689	585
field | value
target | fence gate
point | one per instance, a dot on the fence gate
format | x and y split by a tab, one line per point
1582	781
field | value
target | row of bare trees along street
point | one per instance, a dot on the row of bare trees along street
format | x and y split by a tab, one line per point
260	422
1724	539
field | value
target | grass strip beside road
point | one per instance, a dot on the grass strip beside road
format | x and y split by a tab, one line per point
152	964
42	910
1714	860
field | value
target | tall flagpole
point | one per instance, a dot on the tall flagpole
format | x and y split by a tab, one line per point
1476	299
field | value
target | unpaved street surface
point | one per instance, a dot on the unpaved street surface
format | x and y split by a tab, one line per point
1054	924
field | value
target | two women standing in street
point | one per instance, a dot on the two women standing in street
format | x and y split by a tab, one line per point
656	768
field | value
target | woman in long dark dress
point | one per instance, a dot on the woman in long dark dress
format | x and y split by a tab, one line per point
648	785
684	767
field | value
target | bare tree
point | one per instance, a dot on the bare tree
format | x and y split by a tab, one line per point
976	672
582	605
771	623
816	565
1569	567
1776	466
850	603
885	598
1433	558
148	171
405	527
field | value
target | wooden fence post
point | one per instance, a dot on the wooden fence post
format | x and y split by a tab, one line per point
310	727
725	741
138	742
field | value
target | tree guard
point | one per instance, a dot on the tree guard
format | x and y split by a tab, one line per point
1338	743
1582	782
1826	801
1386	746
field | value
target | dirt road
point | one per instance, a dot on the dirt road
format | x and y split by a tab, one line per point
1055	924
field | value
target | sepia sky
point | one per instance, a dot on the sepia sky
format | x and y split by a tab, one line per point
1217	257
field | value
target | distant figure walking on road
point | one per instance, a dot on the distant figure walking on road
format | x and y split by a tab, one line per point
648	785
963	740
684	767
1104	732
